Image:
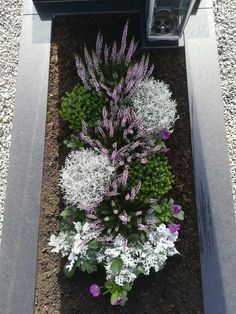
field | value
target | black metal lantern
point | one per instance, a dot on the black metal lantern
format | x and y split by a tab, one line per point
166	19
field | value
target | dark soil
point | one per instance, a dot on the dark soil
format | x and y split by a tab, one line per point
175	289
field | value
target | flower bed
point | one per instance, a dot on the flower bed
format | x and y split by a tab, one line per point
123	218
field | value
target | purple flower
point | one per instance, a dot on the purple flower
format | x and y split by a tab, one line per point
176	209
92	72
165	134
124	218
118	301
174	227
142	227
95	290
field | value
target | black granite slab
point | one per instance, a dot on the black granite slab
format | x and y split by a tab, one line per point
211	167
18	253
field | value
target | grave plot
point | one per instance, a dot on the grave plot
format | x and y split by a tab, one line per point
178	284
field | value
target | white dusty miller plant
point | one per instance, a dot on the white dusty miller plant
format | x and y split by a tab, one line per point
141	257
152	102
74	243
85	177
133	258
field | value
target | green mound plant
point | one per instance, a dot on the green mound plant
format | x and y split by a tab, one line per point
82	104
155	176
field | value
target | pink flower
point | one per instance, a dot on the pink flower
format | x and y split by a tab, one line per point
124	218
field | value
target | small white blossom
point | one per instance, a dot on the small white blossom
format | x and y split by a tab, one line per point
85	177
152	102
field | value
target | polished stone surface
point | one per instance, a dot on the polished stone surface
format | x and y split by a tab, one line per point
211	167
18	254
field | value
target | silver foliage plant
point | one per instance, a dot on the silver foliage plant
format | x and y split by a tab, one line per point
152	102
110	70
85	178
134	259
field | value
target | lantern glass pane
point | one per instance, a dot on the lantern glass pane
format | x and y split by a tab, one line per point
167	18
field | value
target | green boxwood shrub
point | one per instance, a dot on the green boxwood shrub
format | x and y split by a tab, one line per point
82	104
155	176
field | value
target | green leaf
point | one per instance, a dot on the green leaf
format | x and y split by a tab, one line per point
87	266
171	202
123	293
127	287
133	238
180	215
114	297
67	212
69	273
93	245
158	209
110	285
79	215
116	265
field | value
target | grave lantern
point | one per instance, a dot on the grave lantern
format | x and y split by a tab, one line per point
166	19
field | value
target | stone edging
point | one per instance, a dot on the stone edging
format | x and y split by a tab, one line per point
18	254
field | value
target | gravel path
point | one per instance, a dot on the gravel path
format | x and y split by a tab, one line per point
225	17
10	26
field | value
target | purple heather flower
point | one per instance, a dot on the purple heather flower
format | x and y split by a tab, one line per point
124	218
142	227
90	69
176	209
143	160
95	290
174	227
164	150
118	301
92	216
165	134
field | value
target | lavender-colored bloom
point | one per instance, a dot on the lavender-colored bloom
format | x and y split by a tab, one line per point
118	301
176	209
164	150
134	192
92	216
142	227
165	134
174	227
124	218
127	197
124	177
92	74
95	290
135	142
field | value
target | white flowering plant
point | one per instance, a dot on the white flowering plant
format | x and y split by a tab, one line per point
113	184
